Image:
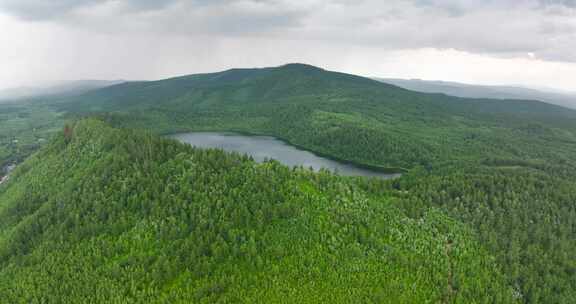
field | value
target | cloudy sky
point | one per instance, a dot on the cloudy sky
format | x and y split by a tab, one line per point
525	42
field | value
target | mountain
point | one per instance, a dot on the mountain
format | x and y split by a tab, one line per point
106	215
502	170
68	88
235	85
482	91
326	111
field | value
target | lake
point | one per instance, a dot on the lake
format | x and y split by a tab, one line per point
266	147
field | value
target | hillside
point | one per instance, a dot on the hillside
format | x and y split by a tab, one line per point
108	215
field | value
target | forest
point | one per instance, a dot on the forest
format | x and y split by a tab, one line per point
109	215
484	211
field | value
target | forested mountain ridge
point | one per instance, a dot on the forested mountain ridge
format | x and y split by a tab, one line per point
287	83
108	215
244	86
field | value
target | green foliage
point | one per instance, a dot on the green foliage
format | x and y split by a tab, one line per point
466	142
114	215
495	172
525	217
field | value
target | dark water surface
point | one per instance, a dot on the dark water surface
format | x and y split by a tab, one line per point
266	147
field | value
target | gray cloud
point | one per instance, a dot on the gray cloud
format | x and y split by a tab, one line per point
228	17
565	3
541	28
41	10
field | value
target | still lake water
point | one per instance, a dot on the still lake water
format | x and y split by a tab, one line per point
266	147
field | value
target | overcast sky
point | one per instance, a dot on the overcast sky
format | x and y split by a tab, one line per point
526	42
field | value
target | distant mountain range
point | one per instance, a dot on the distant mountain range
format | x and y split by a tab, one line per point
67	88
484	91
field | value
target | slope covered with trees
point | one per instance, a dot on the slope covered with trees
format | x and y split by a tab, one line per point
109	215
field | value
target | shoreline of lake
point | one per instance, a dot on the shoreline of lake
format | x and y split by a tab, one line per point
281	150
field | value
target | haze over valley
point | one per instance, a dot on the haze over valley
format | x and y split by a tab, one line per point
557	97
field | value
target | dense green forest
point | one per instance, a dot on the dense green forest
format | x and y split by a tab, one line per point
108	215
488	181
